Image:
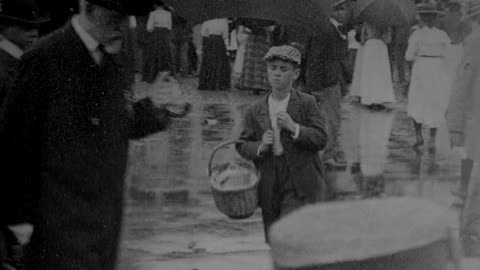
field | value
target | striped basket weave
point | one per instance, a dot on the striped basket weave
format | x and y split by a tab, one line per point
239	201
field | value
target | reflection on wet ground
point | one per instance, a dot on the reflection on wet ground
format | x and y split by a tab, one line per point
169	206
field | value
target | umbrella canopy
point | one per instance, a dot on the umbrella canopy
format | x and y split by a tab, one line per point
385	12
310	14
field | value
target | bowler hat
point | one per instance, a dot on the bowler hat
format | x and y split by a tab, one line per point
21	12
130	7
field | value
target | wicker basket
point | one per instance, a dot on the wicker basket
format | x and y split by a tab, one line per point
239	202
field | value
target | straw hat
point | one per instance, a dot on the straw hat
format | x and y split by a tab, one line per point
427	8
358	231
472	8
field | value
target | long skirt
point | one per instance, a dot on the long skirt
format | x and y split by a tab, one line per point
157	55
254	73
214	69
429	91
375	78
240	56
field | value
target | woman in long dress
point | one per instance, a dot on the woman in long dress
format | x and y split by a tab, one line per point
430	83
374	80
254	73
215	68
157	54
242	37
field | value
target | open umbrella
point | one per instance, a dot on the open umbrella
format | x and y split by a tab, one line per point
310	14
385	12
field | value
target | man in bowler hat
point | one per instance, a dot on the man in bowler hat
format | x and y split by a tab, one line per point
19	24
66	128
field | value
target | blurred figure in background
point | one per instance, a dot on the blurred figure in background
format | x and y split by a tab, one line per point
324	74
457	29
158	51
254	72
463	119
375	85
430	84
20	21
215	68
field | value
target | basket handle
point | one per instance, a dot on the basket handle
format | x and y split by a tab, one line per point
218	147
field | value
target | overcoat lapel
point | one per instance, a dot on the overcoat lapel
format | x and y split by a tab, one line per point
294	107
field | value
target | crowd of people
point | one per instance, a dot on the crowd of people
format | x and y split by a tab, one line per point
67	110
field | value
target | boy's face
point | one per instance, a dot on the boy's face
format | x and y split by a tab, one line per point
282	74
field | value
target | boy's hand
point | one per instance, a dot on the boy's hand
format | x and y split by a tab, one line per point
267	140
286	122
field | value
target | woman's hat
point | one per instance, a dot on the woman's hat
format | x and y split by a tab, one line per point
427	8
22	12
128	7
472	8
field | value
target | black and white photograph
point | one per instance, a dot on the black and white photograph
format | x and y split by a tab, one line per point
240	134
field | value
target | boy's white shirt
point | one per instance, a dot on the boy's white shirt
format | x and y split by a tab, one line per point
274	107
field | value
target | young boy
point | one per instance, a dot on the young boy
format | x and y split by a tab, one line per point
284	132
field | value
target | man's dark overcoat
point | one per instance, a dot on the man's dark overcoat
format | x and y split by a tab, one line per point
325	54
67	126
8	73
301	154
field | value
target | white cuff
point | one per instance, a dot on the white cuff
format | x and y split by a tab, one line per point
297	132
258	151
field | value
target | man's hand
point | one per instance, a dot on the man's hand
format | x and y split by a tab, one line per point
22	232
285	121
457	139
267	140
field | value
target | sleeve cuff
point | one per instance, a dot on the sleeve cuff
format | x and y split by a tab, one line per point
297	132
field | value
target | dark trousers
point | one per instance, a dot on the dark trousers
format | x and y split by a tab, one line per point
329	101
285	199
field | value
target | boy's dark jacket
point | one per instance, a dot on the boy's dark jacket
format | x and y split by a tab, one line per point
302	154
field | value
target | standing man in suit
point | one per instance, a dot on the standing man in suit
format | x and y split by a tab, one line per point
325	54
284	133
67	125
19	23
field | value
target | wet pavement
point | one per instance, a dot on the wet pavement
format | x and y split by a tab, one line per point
171	221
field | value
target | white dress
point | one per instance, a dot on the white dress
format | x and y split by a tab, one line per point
430	84
242	37
374	80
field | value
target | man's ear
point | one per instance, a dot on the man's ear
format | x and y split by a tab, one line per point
296	73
